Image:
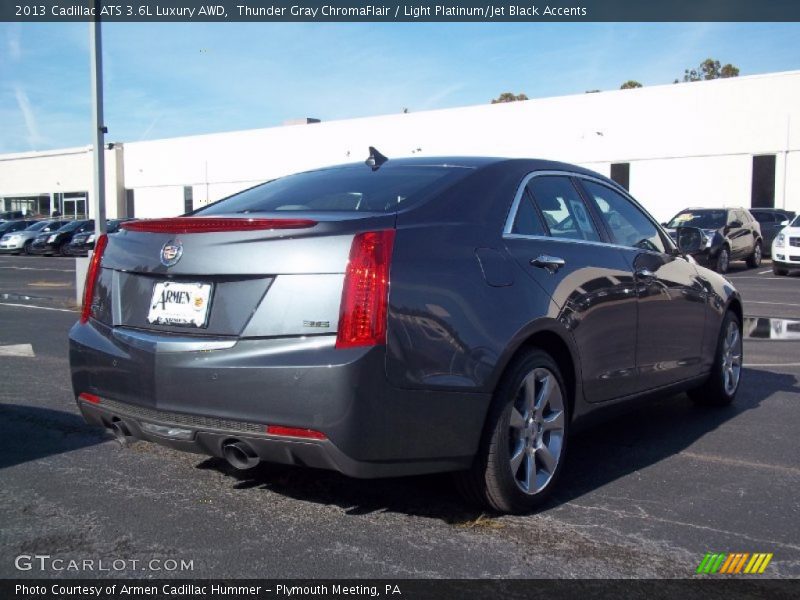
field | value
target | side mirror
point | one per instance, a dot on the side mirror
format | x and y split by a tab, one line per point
689	239
665	225
784	223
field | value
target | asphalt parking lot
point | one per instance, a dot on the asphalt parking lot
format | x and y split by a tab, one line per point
644	495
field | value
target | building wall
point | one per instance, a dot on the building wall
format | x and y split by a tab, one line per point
687	144
65	171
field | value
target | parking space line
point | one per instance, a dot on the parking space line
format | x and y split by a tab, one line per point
773	303
39	307
39	269
765	272
767	279
753	365
24	350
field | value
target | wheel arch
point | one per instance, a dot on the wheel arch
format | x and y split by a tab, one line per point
553	338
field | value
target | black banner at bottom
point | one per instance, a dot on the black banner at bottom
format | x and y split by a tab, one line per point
399	589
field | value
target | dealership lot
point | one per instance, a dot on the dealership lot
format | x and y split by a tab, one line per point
647	494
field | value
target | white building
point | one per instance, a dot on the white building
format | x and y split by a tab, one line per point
728	142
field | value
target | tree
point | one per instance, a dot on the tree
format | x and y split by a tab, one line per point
710	69
630	84
509	97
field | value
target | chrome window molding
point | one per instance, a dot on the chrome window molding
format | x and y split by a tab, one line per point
512	213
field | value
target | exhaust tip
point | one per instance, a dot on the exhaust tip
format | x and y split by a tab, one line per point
121	432
240	455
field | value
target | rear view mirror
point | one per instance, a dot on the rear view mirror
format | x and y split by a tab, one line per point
689	239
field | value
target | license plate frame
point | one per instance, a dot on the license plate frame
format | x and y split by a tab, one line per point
173	312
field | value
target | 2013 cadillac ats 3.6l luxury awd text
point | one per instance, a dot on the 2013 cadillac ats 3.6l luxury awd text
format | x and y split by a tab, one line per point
401	317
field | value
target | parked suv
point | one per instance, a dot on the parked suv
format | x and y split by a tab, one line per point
409	316
55	242
771	221
728	234
786	249
18	242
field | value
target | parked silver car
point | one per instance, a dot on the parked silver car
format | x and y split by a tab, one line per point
18	242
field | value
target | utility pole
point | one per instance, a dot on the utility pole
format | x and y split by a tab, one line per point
98	128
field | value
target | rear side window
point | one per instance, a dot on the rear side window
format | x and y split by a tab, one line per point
565	214
354	188
764	217
527	221
626	221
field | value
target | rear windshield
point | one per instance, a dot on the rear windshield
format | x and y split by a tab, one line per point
704	219
345	189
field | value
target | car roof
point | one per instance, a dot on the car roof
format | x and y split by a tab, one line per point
472	162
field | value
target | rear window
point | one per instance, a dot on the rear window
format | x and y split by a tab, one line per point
345	189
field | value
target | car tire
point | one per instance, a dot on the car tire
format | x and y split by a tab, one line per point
754	260
27	248
723	261
778	271
521	452
724	380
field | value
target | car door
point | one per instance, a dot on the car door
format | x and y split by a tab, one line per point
557	241
739	234
671	299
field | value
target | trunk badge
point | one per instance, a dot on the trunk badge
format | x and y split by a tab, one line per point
171	253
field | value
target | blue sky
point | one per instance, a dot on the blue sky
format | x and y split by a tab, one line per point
166	80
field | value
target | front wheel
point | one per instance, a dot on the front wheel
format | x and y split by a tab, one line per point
723	261
27	250
522	449
723	382
754	260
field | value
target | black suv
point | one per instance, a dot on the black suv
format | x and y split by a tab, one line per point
729	234
771	221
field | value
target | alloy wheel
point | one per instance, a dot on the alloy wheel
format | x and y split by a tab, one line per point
731	358
536	431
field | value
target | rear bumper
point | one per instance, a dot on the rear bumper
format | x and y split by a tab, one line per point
372	429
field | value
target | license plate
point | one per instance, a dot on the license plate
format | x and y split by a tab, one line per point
180	303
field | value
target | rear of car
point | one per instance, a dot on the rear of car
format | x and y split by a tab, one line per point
255	329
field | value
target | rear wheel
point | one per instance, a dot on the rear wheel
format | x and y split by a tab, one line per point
522	450
779	271
723	261
723	382
754	260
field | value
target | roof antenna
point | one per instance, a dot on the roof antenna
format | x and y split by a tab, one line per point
375	160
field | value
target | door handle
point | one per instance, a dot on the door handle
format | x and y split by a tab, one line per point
550	263
645	274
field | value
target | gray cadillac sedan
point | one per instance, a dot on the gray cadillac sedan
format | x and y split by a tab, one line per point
401	317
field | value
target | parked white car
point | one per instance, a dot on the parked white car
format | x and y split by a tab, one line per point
786	249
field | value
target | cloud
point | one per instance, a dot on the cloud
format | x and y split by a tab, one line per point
14	39
24	104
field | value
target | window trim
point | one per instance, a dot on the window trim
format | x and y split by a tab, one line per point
602	229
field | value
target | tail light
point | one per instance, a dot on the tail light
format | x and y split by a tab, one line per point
365	296
91	277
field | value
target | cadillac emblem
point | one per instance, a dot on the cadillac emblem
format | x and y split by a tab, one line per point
171	253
